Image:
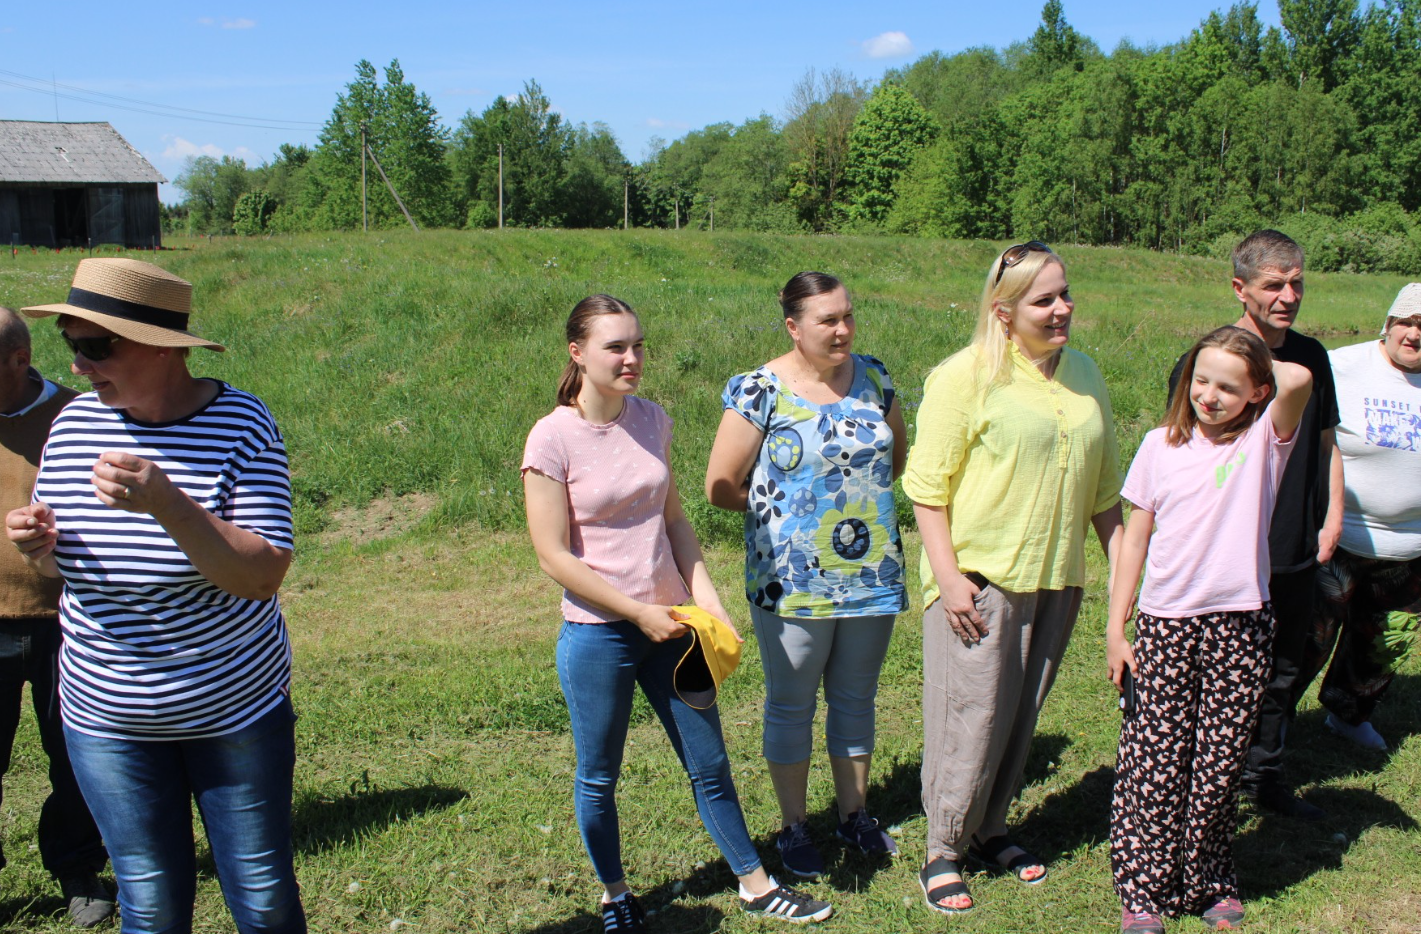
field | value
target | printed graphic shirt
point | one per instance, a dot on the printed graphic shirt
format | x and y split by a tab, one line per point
821	530
1380	438
152	649
1212	505
618	476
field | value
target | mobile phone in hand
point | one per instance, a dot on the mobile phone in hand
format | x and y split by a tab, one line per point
1127	692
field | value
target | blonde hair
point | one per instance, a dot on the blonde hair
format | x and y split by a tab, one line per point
989	341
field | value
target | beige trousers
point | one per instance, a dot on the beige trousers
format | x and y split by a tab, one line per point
980	704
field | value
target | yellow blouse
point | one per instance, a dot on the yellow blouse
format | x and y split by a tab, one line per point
1021	470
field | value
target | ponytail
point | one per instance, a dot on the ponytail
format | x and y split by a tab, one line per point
570	384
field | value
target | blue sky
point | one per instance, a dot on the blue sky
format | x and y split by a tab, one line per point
645	69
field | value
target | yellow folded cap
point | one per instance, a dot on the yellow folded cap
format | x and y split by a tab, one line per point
713	655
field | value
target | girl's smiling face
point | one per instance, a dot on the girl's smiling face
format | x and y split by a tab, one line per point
1221	390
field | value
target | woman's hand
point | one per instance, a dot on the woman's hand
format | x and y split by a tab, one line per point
237	560
133	484
659	623
1119	655
31	530
714	608
961	611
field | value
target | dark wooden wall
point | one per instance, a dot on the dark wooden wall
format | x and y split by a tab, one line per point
39	215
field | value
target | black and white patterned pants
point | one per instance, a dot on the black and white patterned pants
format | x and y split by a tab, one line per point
1181	753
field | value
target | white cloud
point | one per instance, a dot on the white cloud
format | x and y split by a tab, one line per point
465	92
178	148
888	45
206	21
667	124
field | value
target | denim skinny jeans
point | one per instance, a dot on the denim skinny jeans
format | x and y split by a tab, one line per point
141	794
599	665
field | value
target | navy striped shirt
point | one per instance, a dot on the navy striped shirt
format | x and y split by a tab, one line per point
152	649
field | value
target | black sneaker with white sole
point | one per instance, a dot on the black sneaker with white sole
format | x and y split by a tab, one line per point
786	904
623	916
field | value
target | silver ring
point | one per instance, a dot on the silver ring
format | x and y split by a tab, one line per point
126	491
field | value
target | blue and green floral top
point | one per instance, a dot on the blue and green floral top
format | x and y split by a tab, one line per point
821	531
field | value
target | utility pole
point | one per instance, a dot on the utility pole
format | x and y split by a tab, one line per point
500	186
712	213
364	214
393	192
626	189
676	206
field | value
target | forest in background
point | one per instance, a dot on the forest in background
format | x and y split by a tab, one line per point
1311	128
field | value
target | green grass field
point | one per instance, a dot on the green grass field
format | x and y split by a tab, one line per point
434	770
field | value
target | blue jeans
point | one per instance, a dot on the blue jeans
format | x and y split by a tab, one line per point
600	665
141	792
29	651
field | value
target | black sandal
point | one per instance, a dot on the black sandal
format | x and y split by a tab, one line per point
939	867
990	853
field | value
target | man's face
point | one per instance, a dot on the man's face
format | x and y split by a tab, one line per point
14	376
1271	299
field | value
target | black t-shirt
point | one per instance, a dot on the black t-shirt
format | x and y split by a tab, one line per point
1302	495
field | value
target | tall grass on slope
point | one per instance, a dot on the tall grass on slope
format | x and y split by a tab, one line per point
401	363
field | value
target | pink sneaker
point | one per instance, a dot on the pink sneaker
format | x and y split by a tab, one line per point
1225	915
1140	922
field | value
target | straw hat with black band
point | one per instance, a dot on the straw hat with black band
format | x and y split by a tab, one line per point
133	299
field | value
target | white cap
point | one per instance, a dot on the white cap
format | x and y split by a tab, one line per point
1408	301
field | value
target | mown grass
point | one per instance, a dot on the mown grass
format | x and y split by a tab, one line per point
433	781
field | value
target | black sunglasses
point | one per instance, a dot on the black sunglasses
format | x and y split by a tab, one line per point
95	349
1017	253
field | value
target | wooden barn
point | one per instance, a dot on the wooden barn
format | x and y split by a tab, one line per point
75	184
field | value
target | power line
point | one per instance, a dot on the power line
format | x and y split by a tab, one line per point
147	107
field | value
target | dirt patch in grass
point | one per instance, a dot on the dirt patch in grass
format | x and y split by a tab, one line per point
382	518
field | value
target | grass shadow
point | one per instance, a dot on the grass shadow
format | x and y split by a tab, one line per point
1046	750
18	913
321	823
1315	755
1069	819
665	913
1277	853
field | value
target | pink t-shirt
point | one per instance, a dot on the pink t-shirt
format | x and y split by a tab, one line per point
1212	504
617	477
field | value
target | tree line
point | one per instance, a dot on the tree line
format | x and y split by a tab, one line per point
1311	127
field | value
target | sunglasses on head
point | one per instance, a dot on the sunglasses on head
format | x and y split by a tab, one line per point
1017	253
91	348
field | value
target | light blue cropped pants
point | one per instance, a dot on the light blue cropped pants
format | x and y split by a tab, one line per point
797	653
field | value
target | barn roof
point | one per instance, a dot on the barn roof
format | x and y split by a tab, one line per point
69	154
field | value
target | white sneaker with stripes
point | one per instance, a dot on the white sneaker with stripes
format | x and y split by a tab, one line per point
786	904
